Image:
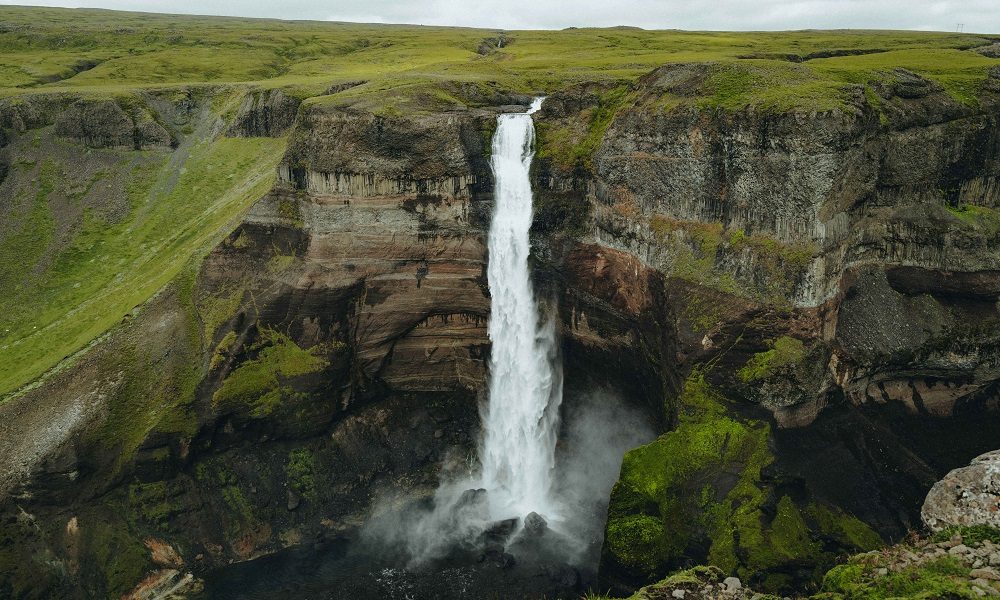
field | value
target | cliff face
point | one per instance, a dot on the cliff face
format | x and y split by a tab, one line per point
805	303
833	275
331	347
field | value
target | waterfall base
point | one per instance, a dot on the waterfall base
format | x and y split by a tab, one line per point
502	565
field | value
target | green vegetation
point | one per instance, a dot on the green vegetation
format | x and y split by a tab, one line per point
152	503
143	215
674	475
785	351
217	308
672	496
942	578
300	470
161	403
257	385
217	476
569	147
639	543
222	350
119	554
980	217
407	67
64	283
973	535
699	248
846	530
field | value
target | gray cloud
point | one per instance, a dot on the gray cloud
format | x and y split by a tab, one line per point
942	15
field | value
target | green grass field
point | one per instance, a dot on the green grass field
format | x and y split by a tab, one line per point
43	49
69	272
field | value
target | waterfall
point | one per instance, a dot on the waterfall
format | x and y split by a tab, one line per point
521	417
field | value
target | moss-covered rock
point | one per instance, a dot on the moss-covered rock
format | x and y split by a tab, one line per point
861	579
785	351
300	470
258	386
697	494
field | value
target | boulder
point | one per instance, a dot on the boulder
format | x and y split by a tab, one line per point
535	524
967	496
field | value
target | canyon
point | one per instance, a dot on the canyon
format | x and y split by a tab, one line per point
788	320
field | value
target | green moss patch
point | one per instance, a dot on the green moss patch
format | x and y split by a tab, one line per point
699	250
114	555
152	502
79	256
216	308
979	217
973	536
700	487
300	470
847	530
785	351
639	543
675	482
570	146
160	371
259	385
946	577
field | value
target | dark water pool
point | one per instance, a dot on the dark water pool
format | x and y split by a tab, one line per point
340	570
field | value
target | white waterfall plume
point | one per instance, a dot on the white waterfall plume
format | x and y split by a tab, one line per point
520	421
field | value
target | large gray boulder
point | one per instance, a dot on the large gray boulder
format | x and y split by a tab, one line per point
966	496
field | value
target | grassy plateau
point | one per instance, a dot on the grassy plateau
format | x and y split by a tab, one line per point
106	52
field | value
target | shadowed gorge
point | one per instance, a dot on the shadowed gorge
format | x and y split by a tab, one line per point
330	310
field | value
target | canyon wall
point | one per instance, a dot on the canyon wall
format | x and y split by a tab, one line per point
833	282
804	303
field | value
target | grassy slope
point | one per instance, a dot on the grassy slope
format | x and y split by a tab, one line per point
60	288
64	286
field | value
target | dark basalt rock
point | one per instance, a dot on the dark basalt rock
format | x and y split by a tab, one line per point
535	525
908	85
990	51
106	124
264	114
499	532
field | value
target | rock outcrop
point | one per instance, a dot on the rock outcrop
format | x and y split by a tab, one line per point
966	497
107	124
267	113
332	346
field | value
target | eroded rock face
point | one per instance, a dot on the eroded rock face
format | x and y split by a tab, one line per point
967	496
267	113
826	274
106	124
331	348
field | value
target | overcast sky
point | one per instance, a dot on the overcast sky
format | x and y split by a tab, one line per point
942	15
